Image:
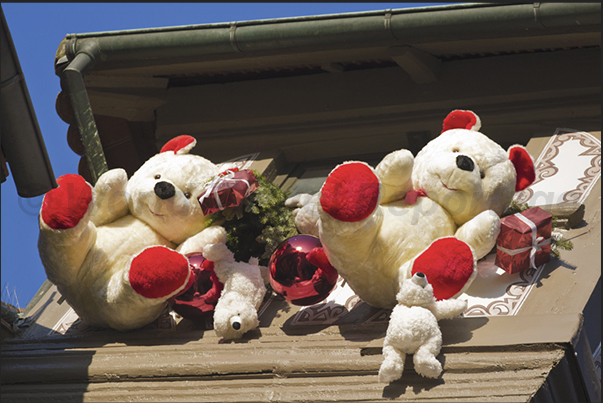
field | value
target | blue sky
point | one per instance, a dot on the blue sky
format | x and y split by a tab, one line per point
37	29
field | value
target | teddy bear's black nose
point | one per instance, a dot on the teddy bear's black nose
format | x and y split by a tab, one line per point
164	190
465	163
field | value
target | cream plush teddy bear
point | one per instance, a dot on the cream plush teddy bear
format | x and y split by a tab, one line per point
413	329
117	251
373	222
244	290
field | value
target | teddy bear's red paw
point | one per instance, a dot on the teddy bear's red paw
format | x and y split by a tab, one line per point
449	265
350	193
159	272
64	207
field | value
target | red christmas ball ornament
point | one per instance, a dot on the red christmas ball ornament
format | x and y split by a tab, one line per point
198	301
300	271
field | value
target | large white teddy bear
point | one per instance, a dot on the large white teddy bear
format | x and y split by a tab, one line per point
413	329
118	251
436	213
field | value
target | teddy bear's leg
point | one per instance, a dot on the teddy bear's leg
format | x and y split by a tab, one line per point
425	360
64	206
392	365
218	253
449	265
159	272
349	196
138	290
66	233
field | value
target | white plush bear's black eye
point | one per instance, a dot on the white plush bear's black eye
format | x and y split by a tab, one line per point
482	174
157	176
187	195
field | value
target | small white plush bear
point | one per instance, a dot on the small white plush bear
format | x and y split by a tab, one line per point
244	289
413	329
380	226
117	251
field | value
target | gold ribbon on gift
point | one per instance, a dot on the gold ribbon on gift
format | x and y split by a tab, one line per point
537	242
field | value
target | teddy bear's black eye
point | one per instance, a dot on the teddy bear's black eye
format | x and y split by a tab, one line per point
157	176
187	195
482	174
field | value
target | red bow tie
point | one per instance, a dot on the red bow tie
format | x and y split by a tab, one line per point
412	196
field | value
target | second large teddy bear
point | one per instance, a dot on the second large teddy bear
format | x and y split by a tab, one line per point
436	213
118	251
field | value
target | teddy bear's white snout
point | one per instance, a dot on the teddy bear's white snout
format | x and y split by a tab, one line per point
236	322
451	172
464	173
172	208
419	279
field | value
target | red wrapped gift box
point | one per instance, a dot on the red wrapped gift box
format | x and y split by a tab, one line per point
228	189
524	240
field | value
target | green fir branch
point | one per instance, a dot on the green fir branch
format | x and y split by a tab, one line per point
259	224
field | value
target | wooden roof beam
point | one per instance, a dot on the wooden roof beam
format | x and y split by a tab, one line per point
420	66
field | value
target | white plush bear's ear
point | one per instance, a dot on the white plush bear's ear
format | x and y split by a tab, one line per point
180	145
524	167
459	119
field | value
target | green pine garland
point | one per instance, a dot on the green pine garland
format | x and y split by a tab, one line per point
259	224
556	242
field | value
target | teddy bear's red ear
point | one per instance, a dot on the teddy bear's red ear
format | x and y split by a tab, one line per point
180	145
459	119
524	166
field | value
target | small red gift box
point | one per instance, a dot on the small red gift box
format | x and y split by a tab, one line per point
524	240
228	189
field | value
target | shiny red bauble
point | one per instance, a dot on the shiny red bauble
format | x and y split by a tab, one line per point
198	301
300	271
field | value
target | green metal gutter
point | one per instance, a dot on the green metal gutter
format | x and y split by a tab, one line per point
353	29
318	31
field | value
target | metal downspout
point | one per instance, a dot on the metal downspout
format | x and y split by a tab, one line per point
76	89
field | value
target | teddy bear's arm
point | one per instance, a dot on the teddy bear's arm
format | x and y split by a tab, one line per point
197	243
480	232
110	201
395	171
306	212
448	308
